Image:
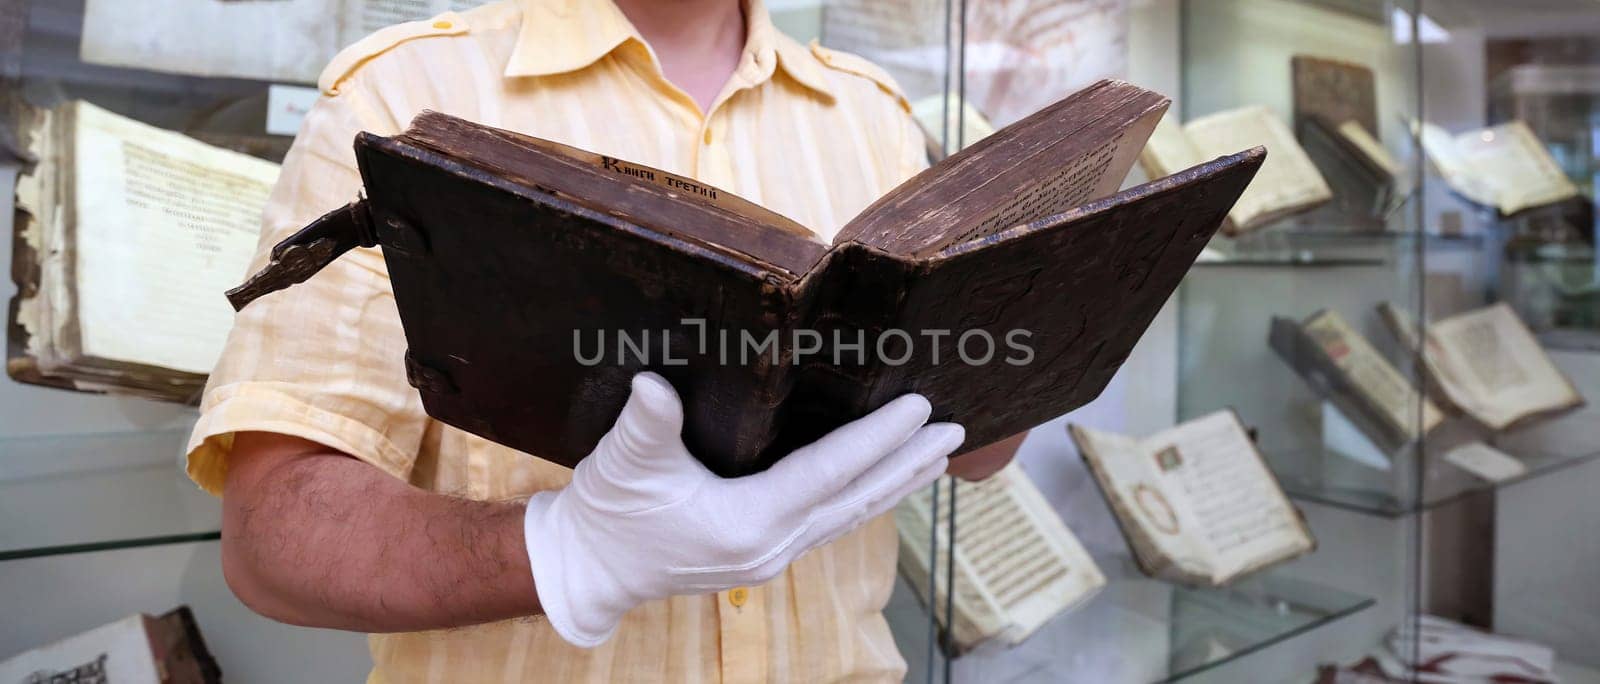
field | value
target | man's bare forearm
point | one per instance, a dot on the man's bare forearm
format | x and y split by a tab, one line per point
313	537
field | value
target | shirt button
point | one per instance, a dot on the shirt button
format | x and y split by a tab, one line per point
707	137
738	595
442	25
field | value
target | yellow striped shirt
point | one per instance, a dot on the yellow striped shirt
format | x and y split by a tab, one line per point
813	134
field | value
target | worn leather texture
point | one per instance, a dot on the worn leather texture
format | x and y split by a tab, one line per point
493	280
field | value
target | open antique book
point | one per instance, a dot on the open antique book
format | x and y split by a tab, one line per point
1343	367
1503	167
519	263
1288	183
1196	502
124	234
1487	364
1016	564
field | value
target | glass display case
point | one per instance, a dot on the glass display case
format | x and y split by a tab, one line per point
1371	399
1419	491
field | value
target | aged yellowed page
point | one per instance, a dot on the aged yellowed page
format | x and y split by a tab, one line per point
1456	169
1505	167
1511	161
1200	496
1169	149
164	224
41	194
1287	182
1095	174
1498	372
1445	386
1395	398
1225	493
1017	564
1145	511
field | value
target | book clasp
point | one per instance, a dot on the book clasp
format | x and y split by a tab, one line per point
308	251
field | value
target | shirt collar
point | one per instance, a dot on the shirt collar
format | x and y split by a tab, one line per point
561	36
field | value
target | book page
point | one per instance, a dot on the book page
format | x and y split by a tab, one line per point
1058	159
1446	385
1394	397
1514	165
976	618
1225	495
1090	176
1287	182
1168	150
1440	148
164	225
1149	518
1374	151
1498	367
1017	563
39	194
116	652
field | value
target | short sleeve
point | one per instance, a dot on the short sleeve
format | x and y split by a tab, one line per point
323	360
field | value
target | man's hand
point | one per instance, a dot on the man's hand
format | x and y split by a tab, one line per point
643	519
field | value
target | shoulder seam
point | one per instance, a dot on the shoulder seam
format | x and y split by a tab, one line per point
352	58
851	63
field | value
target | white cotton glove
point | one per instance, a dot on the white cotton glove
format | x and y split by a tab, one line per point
643	520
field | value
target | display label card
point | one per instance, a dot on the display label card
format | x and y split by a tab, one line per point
287	107
1486	462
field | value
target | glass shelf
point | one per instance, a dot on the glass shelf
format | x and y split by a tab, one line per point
1138	629
1323	245
79	493
1446	483
1301	260
1330	478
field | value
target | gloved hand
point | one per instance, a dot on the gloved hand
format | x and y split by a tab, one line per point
643	520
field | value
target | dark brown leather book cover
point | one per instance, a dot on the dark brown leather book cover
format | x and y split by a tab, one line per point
532	285
1289	339
1077	290
1334	91
499	316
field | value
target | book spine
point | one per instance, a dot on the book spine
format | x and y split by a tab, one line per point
846	306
